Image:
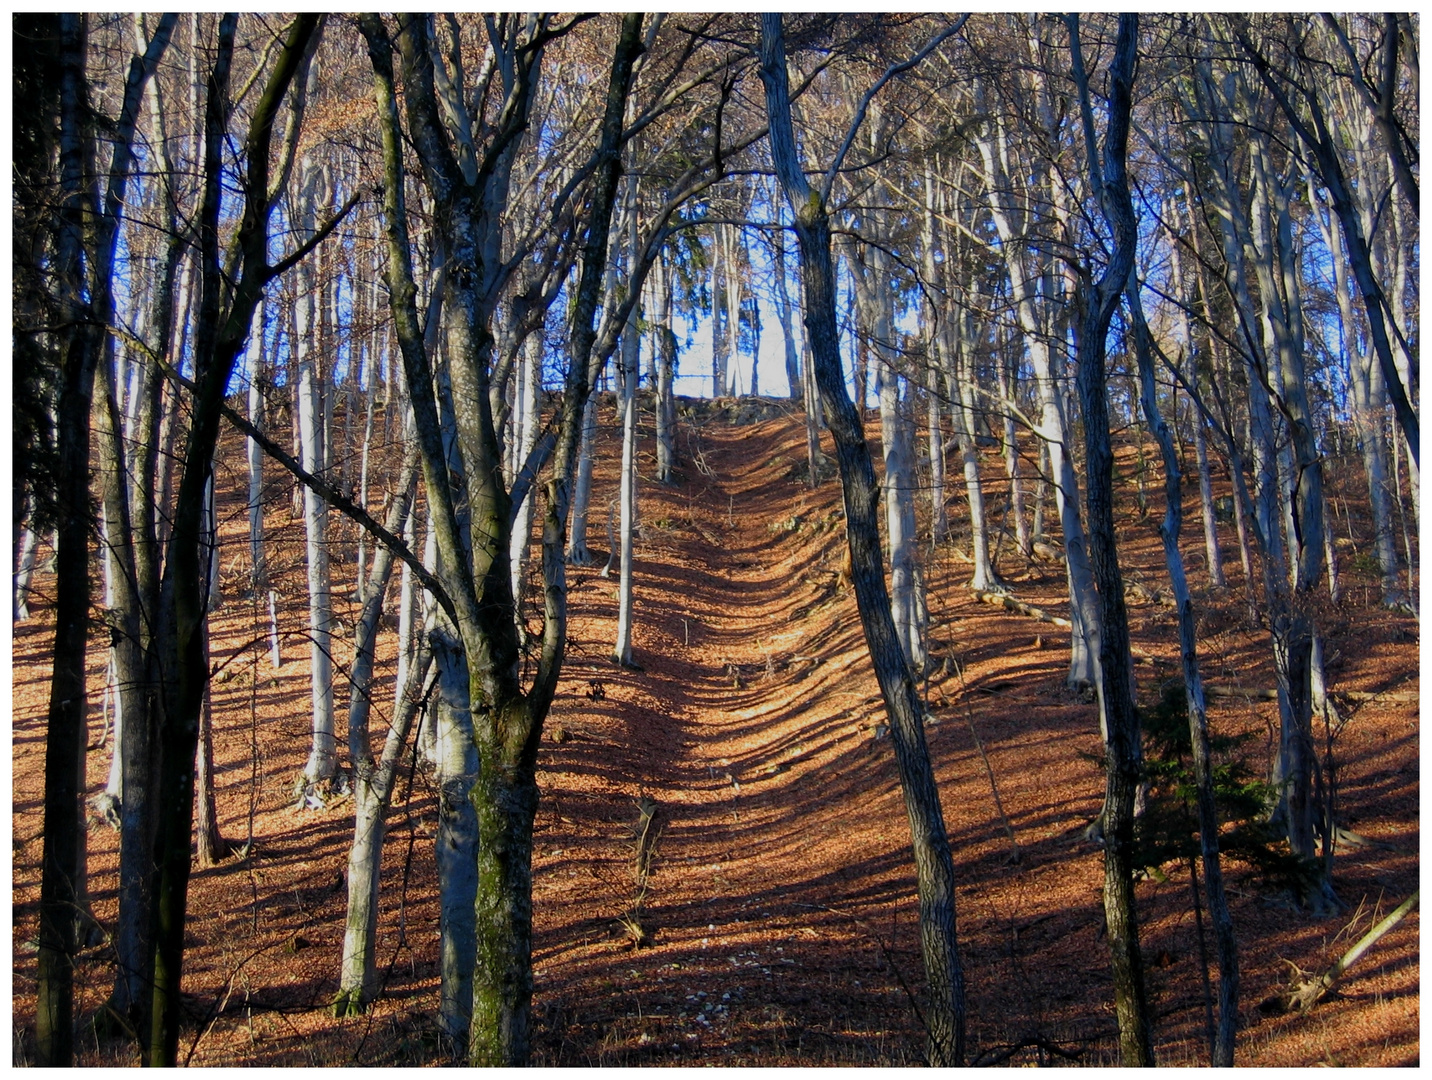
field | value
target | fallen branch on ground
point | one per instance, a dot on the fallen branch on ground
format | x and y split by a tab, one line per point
1009	603
1305	993
1351	695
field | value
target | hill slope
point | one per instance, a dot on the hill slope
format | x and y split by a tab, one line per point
778	914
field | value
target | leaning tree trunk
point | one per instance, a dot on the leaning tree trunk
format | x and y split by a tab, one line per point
373	781
933	864
1227	944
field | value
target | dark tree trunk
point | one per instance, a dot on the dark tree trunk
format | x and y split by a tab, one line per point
225	313
1221	1050
1122	750
84	255
933	864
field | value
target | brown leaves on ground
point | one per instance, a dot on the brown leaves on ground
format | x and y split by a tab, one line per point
776	914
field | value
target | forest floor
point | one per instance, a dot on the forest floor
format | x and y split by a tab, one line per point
780	911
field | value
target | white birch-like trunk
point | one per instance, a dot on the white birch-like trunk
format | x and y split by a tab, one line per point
630	354
783	310
1053	429
258	567
29	545
939	517
577	552
961	385
1011	462
665	355
323	757
456	772
1369	400
526	420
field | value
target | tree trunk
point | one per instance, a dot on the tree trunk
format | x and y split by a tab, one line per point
527	419
457	839
577	551
258	569
313	427
783	308
224	315
1122	749
373	781
1222	1048
665	349
630	354
29	544
934	867
1053	431
1011	461
85	244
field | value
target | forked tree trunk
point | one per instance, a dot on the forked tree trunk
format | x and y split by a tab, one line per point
1122	749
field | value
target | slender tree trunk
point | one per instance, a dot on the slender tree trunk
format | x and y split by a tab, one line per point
1054	427
313	426
939	518
1122	749
29	545
527	418
373	780
1222	1048
577	551
1011	461
665	349
258	579
783	307
814	458
934	867
630	354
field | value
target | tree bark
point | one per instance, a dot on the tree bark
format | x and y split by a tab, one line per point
1122	750
87	233
1222	1048
934	867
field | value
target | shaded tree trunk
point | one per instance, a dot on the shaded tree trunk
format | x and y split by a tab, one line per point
934	867
1122	750
1227	945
